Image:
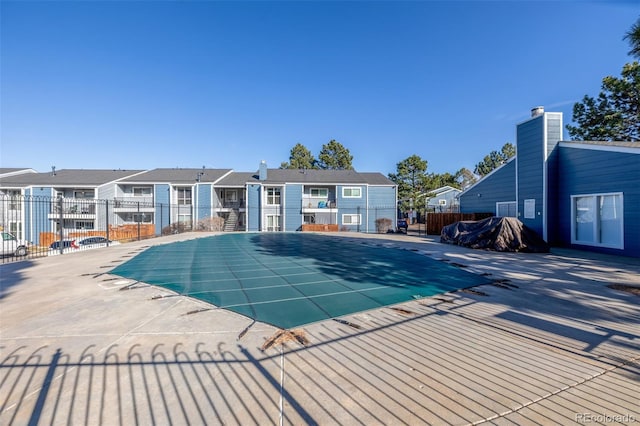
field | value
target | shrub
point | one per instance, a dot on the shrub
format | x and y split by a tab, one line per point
383	225
210	224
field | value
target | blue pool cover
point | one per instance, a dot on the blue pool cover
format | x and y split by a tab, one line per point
291	279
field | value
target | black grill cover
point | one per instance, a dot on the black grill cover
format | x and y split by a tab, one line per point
494	233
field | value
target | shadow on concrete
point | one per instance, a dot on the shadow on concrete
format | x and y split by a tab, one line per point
11	276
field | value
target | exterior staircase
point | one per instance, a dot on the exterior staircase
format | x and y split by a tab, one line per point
231	223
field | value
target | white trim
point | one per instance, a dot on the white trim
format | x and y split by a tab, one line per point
596	222
610	148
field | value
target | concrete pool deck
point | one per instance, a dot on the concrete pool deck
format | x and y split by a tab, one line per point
547	342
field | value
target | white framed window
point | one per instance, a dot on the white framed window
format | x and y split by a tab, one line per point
351	192
597	220
507	209
319	192
273	196
273	222
351	219
184	196
141	191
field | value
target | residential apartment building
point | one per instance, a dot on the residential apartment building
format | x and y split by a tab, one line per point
161	200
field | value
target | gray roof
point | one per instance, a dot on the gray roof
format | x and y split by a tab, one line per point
66	177
236	179
15	170
310	177
178	176
623	144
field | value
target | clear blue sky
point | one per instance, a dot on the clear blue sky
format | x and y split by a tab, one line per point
227	84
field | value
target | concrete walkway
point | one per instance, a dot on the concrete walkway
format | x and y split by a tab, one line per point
547	343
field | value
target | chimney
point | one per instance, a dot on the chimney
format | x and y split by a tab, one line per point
539	110
262	171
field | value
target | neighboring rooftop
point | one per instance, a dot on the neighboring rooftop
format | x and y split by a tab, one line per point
66	177
185	176
313	176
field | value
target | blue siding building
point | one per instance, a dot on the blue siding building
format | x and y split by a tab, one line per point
270	200
584	195
286	200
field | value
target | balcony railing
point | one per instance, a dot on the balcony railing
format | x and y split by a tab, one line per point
318	204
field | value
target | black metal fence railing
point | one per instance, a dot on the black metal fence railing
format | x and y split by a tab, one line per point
42	226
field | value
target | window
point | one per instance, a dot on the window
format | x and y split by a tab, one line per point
351	192
319	192
184	196
273	196
138	217
83	224
506	209
273	222
83	194
351	219
15	200
597	220
141	191
231	195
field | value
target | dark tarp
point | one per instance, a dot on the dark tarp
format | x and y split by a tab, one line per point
494	233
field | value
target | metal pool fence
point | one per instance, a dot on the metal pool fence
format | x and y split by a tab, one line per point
44	226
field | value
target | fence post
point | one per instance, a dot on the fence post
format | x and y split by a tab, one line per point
106	214
61	222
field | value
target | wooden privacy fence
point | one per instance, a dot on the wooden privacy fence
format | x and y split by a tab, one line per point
116	233
437	221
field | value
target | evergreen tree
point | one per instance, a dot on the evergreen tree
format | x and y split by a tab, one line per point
334	156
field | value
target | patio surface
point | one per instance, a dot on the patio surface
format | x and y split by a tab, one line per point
546	343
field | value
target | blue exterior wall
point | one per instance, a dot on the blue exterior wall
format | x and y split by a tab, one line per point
352	206
254	193
537	139
530	170
381	200
293	208
163	209
499	186
589	171
554	129
203	202
37	223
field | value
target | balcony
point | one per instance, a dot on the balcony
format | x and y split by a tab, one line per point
133	204
73	209
318	205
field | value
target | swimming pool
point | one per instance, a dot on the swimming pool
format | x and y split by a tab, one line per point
292	279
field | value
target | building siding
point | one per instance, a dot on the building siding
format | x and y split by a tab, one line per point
293	208
587	171
254	194
163	208
350	205
530	170
203	201
379	205
500	186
